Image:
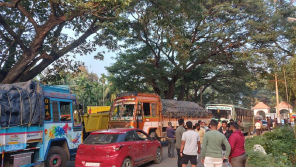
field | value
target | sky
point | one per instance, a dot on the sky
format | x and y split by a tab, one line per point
98	66
93	65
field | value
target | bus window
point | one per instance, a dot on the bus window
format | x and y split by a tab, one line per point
146	108
65	111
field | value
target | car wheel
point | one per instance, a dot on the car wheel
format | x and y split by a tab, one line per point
158	156
127	163
56	157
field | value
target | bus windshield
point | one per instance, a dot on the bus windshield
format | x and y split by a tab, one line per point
221	114
122	112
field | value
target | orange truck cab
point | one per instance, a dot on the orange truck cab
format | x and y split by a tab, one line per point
150	113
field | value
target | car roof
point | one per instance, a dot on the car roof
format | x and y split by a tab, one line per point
114	131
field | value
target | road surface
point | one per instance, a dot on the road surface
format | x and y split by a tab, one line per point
166	162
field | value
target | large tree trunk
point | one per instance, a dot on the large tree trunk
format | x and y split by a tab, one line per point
181	93
170	93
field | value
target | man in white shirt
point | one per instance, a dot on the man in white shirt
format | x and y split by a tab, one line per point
190	146
258	127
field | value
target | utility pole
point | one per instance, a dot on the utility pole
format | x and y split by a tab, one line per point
277	99
200	89
287	92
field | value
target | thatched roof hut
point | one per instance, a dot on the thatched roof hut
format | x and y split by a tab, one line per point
179	109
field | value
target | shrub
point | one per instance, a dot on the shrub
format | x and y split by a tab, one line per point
280	146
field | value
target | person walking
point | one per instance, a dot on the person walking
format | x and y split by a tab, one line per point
211	153
258	127
237	155
226	132
179	132
269	124
204	126
190	146
171	139
219	124
200	131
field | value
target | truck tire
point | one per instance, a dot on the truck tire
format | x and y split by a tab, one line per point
56	157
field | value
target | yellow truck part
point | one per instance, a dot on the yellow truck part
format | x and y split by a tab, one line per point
97	109
95	121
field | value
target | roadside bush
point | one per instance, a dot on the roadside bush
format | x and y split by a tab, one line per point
280	146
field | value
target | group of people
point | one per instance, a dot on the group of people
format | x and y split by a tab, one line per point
216	146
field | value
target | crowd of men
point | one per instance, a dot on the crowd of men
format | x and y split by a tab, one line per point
217	143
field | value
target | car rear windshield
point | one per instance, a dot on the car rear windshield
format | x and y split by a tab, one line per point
101	139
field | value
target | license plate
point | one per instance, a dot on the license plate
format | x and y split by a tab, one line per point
92	164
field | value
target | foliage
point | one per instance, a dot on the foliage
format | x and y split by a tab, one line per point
279	145
34	34
182	46
90	89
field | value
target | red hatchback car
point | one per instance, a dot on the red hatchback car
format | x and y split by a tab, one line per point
118	148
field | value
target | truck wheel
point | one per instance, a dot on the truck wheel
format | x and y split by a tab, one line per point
158	156
56	157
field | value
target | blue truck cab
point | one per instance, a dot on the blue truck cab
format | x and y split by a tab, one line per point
47	135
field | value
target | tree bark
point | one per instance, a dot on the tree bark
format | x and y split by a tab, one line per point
181	93
170	93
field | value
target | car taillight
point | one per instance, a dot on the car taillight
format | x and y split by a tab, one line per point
116	148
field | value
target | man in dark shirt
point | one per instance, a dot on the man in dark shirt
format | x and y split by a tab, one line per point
179	132
171	138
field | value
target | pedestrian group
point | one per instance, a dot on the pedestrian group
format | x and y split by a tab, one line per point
218	143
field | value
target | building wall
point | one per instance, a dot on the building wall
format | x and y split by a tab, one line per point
264	110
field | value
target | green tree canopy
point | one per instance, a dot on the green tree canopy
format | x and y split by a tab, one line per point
34	34
207	42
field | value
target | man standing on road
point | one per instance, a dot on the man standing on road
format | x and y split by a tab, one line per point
258	127
211	153
171	138
269	124
190	146
179	132
200	131
237	156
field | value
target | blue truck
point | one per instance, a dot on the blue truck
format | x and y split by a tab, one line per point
39	125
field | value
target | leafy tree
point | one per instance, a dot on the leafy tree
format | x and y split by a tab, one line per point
168	40
34	34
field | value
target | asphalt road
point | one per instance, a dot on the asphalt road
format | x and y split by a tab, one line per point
166	162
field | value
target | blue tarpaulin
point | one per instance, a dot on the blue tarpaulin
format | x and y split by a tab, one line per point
21	104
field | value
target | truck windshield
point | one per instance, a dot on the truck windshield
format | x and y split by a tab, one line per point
122	112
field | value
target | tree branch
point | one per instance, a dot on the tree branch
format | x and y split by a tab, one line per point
13	34
14	5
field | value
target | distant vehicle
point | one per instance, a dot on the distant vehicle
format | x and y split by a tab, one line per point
122	147
150	113
264	125
229	111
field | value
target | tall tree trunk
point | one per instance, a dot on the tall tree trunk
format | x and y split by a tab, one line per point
170	94
181	93
195	93
187	93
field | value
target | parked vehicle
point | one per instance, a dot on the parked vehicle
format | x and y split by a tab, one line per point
150	113
230	111
41	125
264	125
122	147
